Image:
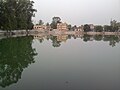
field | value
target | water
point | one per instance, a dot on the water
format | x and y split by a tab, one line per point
65	62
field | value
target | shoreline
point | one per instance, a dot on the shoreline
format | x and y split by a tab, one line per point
35	32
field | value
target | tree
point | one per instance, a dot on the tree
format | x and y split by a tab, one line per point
55	21
107	28
41	22
74	27
98	28
86	28
69	27
16	14
53	25
114	25
47	24
2	9
7	19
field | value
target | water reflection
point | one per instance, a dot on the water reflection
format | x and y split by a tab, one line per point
58	39
16	54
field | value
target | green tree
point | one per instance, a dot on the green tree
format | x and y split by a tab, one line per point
86	28
16	14
74	27
107	28
2	9
47	24
114	25
69	27
41	22
55	21
98	28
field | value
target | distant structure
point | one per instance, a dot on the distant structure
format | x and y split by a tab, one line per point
79	28
62	26
41	27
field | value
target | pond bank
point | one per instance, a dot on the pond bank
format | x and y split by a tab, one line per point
33	32
103	33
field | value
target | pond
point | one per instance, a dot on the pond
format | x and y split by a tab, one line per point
60	62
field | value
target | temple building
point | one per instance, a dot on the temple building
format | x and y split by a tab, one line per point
62	26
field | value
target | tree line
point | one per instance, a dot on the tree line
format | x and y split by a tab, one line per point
113	27
16	14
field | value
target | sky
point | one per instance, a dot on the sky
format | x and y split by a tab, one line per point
77	12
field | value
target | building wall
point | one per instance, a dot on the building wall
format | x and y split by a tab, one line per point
62	26
80	28
42	28
39	27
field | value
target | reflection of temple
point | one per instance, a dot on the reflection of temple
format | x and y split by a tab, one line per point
78	35
62	38
39	36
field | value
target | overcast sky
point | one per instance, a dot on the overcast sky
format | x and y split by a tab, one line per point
77	12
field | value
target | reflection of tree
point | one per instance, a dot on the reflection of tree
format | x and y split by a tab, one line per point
112	39
15	55
98	37
55	42
74	37
69	36
86	37
48	37
41	40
